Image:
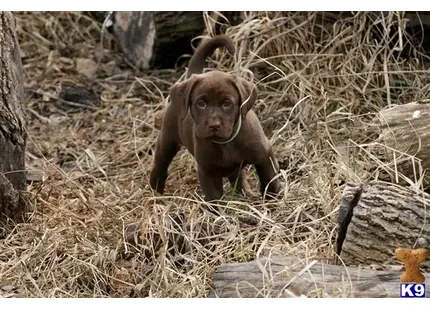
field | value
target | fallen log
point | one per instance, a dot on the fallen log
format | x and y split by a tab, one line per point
289	277
160	39
376	218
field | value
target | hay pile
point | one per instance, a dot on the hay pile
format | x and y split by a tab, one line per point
322	79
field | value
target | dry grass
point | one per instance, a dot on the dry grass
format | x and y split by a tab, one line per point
322	80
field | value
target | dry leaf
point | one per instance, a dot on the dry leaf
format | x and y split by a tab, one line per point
87	67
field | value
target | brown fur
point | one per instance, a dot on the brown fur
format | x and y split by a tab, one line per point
204	108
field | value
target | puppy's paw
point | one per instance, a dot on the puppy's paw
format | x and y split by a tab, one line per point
157	181
213	207
275	190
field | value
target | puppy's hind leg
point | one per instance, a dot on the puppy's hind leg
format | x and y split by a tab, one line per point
167	147
165	151
267	173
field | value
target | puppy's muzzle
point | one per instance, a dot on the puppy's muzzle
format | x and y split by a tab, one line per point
214	124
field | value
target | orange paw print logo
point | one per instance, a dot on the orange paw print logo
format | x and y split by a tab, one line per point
412	258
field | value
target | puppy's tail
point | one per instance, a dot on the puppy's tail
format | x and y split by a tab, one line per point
206	49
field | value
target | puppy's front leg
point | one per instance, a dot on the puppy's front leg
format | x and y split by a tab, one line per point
165	150
167	147
211	185
267	171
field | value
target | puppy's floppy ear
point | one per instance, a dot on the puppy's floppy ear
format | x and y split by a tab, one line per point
180	95
248	94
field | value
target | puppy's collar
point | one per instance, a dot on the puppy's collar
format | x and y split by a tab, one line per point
238	126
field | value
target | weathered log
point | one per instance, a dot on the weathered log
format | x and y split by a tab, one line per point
12	124
159	39
404	143
290	277
376	218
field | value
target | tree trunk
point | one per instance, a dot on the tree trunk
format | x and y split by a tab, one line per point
379	217
289	277
159	39
404	142
12	124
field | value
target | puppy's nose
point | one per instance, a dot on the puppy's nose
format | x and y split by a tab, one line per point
214	124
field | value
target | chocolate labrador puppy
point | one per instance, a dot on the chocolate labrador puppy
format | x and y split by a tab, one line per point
210	114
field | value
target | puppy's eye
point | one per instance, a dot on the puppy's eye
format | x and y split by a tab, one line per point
201	104
227	104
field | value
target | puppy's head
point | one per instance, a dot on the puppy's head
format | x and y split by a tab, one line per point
215	100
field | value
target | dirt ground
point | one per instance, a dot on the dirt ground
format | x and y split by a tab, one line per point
320	81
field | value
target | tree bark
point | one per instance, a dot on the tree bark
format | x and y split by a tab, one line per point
289	277
12	124
404	143
379	217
